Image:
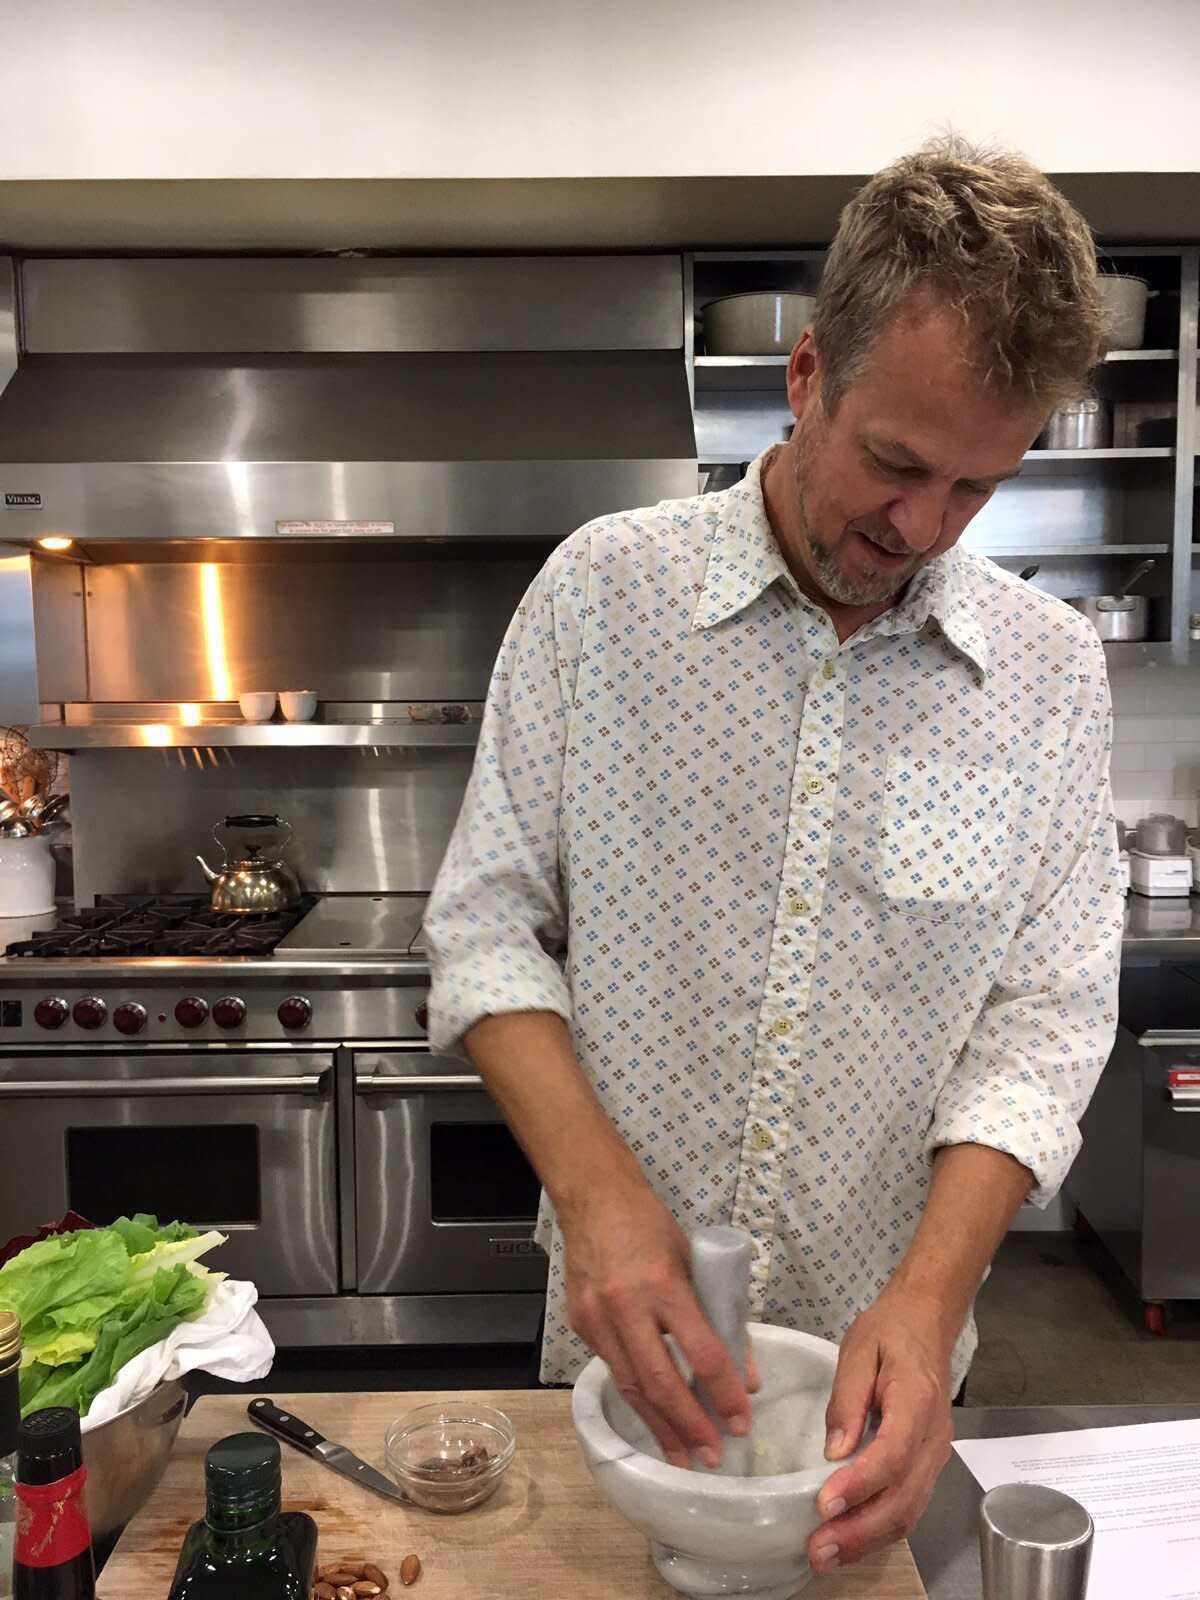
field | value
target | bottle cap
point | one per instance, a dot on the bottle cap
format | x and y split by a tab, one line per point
49	1446
244	1466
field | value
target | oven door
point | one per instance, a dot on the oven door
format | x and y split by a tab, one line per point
236	1139
446	1199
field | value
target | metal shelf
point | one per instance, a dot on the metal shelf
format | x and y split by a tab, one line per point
251	735
716	373
1038	463
1153	653
1035	462
723	373
1055	551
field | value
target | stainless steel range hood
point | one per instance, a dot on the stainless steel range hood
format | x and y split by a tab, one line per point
464	399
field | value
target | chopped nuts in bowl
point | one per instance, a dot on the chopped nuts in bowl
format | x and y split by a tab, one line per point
449	1457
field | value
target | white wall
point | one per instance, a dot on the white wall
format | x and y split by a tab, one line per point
1156	742
552	88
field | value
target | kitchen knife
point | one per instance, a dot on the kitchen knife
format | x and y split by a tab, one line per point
286	1426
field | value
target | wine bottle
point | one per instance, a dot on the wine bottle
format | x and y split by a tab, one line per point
54	1543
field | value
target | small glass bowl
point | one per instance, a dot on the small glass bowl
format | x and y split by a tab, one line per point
449	1457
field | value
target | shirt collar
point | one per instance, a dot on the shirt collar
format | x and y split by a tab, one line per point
744	560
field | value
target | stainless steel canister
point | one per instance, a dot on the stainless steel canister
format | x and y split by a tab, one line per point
1034	1544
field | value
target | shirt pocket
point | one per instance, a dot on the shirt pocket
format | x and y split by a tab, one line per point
946	837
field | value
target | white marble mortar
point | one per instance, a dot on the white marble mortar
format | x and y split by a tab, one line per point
711	1534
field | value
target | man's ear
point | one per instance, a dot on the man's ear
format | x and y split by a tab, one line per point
803	375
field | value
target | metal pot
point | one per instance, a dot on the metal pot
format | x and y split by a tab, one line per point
1078	425
1125	303
254	878
1120	617
758	323
1161	835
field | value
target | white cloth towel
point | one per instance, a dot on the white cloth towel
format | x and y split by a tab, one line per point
229	1339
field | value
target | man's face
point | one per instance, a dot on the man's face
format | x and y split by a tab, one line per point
914	449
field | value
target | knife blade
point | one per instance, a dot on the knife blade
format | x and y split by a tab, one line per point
287	1426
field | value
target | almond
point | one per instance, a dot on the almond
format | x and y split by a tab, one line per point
323	1590
366	1590
344	1592
339	1577
374	1574
353	1564
410	1570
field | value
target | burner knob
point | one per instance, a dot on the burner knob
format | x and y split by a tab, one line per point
90	1012
422	1015
229	1011
295	1011
129	1018
51	1012
191	1011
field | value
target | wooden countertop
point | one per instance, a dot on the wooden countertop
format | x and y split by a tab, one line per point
546	1533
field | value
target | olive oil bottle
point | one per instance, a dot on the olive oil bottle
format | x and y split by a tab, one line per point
246	1548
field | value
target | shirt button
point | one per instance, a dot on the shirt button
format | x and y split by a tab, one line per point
761	1138
798	906
828	670
782	1025
814	785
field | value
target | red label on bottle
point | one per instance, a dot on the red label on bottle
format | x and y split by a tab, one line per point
52	1526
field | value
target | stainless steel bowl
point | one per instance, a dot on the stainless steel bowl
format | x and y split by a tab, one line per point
126	1456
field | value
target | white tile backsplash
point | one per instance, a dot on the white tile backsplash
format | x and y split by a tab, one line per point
1156	741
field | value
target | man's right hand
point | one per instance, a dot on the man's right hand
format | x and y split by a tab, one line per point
628	1284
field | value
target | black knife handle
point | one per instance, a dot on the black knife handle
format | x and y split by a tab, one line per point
282	1423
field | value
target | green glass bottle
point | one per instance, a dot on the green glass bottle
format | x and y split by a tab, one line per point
246	1548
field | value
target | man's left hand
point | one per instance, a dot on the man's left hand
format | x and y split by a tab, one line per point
894	1361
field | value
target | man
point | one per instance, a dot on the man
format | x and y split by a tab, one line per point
818	803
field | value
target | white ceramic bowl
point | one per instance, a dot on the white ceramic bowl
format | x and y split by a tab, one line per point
756	324
298	705
257	705
710	1534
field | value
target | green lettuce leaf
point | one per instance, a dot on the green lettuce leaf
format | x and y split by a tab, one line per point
90	1301
59	1271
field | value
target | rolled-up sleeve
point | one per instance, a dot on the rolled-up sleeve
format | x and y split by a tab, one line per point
497	913
1036	1050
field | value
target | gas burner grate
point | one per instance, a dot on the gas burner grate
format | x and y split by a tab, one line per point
168	925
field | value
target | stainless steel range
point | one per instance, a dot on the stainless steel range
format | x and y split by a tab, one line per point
270	1076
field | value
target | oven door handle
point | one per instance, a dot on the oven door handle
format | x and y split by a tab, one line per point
122	1088
1164	1039
1184	1098
418	1083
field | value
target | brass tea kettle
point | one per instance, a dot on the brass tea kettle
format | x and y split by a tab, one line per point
254	878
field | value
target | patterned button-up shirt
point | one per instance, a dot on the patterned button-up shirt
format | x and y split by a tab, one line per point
825	907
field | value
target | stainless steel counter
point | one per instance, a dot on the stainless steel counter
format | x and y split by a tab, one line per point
349	936
946	1543
1162	927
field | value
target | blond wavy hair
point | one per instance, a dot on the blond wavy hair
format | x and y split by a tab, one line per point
989	234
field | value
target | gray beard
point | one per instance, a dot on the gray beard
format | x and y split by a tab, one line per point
837	587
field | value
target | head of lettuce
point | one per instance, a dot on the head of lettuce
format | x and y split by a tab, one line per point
90	1301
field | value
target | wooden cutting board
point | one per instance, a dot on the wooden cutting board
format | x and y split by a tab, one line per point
546	1533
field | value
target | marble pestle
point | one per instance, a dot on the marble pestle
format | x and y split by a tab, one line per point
721	1278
